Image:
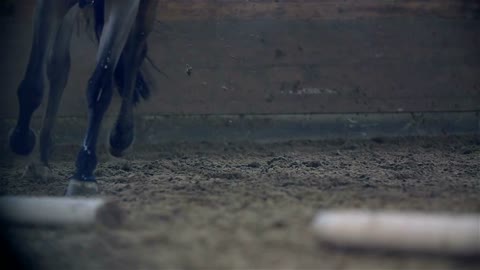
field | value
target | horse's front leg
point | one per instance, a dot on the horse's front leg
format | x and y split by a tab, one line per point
47	20
120	16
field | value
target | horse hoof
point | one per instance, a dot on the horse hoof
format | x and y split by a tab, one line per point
115	152
77	188
21	142
120	141
38	171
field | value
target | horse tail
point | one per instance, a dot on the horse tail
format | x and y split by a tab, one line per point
142	84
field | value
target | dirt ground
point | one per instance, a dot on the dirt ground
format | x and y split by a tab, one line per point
211	206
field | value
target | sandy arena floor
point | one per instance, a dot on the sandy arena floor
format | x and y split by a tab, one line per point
210	206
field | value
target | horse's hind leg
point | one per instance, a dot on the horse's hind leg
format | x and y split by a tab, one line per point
48	16
122	134
120	15
58	68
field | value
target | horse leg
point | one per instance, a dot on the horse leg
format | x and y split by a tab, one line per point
58	68
122	134
48	16
120	15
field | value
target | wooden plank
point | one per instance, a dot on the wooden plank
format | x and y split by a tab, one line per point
312	9
162	129
59	211
386	64
432	233
300	9
387	58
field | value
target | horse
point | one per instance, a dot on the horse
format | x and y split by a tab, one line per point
122	28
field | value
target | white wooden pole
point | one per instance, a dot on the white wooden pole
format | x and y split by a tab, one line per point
59	211
404	231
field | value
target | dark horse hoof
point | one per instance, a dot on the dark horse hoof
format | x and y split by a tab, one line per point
22	142
116	152
77	188
120	141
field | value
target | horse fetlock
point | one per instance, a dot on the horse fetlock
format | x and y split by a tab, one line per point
30	94
46	148
22	141
121	138
85	165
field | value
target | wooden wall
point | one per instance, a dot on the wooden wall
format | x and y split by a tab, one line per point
291	56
